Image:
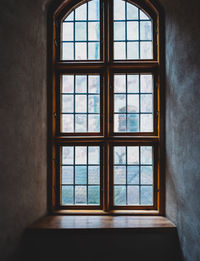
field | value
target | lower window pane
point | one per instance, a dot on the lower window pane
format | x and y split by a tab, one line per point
80	175
133	175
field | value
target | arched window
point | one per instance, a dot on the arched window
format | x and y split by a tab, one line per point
106	127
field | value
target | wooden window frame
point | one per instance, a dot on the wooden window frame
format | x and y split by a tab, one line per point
107	66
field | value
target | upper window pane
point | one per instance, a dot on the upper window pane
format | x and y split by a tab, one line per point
81	33
132	32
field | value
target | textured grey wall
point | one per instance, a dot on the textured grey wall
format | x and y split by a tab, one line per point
183	122
23	117
23	88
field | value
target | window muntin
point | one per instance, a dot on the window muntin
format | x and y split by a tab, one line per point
81	33
133	34
80	175
107	66
133	103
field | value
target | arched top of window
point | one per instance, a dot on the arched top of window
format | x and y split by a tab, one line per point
83	27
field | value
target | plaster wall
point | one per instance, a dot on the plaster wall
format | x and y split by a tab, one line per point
183	122
23	92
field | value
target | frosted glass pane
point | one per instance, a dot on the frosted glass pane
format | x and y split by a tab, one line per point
80	49
94	175
81	83
119	175
67	123
133	195
93	51
133	83
80	31
132	12
119	83
67	51
120	155
120	195
120	103
132	123
146	155
147	195
81	103
81	123
132	50
80	195
67	155
68	84
70	17
146	50
120	122
146	83
80	155
146	175
94	103
133	103
94	84
68	32
93	10
93	123
80	12
81	175
119	31
67	195
67	103
119	51
119	10
132	155
146	122
146	103
93	155
145	30
93	31
132	31
133	175
143	16
67	175
93	195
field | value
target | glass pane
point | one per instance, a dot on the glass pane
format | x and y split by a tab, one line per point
133	83
68	84
67	123
133	175
145	30
143	16
68	32
133	195
132	50
80	155
93	123
146	195
119	83
146	122
67	195
94	155
146	155
81	123
67	103
119	195
119	10
68	51
80	50
67	175
133	155
133	123
119	51
94	103
120	103
120	122
146	103
93	31
93	195
81	83
93	51
119	175
94	175
68	155
80	31
80	12
70	17
94	84
80	195
93	10
81	175
146	83
119	31
81	103
120	155
132	12
132	31
146	175
133	103
146	50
